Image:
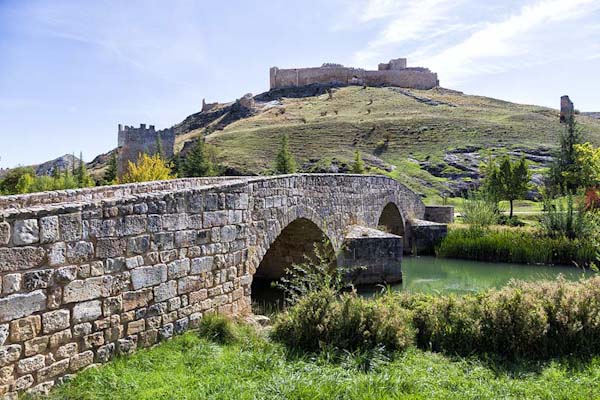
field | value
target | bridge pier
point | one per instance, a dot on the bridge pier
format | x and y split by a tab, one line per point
380	253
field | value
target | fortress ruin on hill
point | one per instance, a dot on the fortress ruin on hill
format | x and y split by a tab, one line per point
393	73
135	141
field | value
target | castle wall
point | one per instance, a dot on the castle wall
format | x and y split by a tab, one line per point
135	141
391	74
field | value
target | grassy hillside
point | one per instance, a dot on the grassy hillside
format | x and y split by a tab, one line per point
400	130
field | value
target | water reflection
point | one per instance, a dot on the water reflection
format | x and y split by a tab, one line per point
438	275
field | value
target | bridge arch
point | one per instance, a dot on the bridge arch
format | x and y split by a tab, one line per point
391	219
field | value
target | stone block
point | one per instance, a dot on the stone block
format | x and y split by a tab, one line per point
96	268
136	326
21	305
7	375
165	291
80	252
166	331
81	360
40	279
105	353
66	274
70	227
113	265
52	371
23	383
49	232
93	340
138	245
215	218
228	233
60	338
4	233
4	331
11	283
112	305
111	247
57	254
54	321
190	284
26	232
201	265
148	276
9	354
25	328
66	351
179	268
21	258
87	311
31	364
136	299
36	345
83	329
89	289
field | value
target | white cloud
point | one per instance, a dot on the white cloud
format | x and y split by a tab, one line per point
524	35
404	21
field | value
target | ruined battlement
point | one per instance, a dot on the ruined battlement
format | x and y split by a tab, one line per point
134	141
393	73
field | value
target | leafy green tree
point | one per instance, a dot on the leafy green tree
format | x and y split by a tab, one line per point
508	180
285	163
198	161
358	166
111	173
8	185
563	176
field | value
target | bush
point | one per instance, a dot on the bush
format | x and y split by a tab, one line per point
515	246
218	328
570	219
147	169
522	320
479	211
323	321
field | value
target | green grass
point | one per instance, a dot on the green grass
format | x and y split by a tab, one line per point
189	367
413	130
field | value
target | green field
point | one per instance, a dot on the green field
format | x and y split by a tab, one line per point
190	367
391	126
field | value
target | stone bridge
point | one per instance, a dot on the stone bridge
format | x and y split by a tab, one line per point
88	273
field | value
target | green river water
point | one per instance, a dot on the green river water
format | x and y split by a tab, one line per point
442	275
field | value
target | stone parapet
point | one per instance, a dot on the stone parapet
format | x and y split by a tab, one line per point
90	273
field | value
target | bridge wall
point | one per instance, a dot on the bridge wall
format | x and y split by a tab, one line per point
90	273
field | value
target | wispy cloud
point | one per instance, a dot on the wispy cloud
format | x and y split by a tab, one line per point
404	22
493	47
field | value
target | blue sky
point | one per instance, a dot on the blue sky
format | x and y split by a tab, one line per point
71	70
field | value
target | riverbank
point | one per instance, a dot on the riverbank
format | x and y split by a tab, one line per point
253	367
515	245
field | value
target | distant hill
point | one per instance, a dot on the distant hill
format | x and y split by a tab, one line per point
432	140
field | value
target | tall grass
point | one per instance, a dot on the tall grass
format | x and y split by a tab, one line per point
516	246
520	321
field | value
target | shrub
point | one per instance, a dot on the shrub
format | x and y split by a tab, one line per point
522	320
146	169
570	219
479	211
218	328
515	246
321	320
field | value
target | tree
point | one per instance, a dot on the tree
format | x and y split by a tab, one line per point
8	185
358	166
147	168
563	177
111	173
508	180
198	162
82	176
285	163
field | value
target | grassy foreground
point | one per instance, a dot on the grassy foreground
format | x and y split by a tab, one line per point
252	367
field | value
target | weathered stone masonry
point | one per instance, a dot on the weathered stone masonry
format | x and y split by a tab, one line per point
92	272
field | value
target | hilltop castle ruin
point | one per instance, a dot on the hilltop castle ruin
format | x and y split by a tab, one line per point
135	141
393	73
